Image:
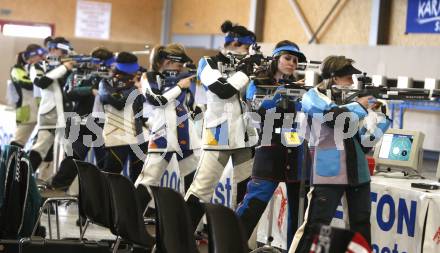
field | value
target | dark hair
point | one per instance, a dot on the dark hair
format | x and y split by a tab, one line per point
286	43
273	67
47	40
235	30
102	53
126	57
32	47
21	61
59	40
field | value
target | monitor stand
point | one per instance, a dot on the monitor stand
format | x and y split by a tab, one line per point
396	172
405	172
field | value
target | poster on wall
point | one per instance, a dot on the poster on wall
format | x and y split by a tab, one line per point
93	20
423	16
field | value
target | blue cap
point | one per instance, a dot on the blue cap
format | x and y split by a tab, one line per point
39	51
248	40
129	68
289	49
62	46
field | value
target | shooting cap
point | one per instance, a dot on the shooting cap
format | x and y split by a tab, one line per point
127	63
33	50
289	49
237	33
176	57
337	66
60	43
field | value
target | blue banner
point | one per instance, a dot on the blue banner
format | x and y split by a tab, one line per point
423	16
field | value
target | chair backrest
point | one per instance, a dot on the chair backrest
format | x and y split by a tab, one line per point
127	216
15	177
174	232
143	196
65	175
225	231
94	194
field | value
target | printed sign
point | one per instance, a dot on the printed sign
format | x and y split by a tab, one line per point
423	16
93	20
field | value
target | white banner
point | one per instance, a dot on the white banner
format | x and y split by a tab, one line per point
432	231
93	19
397	221
225	193
171	176
274	223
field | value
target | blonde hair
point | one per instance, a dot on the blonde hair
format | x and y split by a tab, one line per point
158	53
329	66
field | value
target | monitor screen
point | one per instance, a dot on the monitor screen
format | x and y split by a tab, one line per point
396	147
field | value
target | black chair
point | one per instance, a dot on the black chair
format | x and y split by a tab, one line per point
52	199
226	234
40	245
94	196
143	196
127	215
173	223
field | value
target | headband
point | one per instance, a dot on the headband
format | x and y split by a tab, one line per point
39	51
290	49
344	71
128	68
62	46
248	40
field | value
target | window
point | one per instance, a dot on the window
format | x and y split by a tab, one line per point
26	29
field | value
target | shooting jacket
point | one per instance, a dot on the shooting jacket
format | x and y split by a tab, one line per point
124	122
225	125
171	124
27	104
339	160
282	152
51	82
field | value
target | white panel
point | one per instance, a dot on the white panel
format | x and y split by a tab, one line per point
404	82
379	80
431	83
427	122
28	31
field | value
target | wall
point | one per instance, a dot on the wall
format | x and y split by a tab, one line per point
398	25
349	24
139	21
135	21
206	16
